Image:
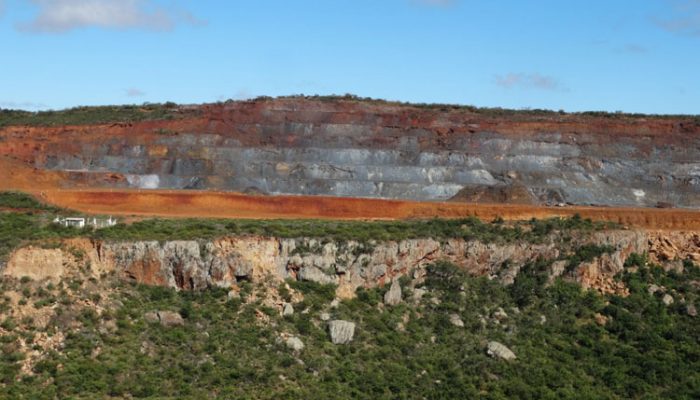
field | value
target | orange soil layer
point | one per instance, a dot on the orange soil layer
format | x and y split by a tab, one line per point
182	204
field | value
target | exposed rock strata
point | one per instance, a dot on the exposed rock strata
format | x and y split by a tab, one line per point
355	149
193	265
36	263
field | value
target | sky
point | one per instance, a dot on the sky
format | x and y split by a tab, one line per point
611	55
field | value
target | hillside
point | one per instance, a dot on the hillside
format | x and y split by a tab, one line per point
349	147
310	247
459	308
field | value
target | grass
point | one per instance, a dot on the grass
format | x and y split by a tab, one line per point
19	200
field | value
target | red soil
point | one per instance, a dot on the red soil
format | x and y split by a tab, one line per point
182	204
238	119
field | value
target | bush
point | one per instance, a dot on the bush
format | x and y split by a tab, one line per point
315	294
587	253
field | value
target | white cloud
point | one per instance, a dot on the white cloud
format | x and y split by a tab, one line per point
527	81
685	19
22	105
134	92
56	16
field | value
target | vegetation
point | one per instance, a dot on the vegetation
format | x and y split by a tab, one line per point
21	228
18	200
93	115
570	343
487	111
28	220
17	228
469	228
34	223
166	111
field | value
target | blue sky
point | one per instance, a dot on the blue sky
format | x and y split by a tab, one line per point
626	55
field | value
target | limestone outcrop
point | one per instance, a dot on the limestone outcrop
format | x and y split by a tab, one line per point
225	262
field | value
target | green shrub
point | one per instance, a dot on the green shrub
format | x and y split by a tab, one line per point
315	294
94	115
407	351
587	253
18	200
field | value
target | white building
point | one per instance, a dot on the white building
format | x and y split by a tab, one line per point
80	223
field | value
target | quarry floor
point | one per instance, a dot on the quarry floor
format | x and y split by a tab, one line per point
198	204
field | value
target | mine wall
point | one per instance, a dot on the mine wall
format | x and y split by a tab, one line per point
353	150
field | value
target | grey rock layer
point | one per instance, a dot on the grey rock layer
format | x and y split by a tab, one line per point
353	161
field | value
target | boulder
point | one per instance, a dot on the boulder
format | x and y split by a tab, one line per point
287	309
600	319
691	310
653	288
667	299
325	316
456	321
500	314
169	318
498	350
418	294
294	343
342	332
393	296
151	317
108	327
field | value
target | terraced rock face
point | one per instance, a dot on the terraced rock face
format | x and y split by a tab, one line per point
355	149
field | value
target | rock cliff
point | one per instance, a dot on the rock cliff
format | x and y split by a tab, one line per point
193	265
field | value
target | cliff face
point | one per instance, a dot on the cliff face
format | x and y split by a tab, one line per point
355	149
191	265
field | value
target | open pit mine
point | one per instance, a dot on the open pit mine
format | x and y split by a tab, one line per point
317	247
263	158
